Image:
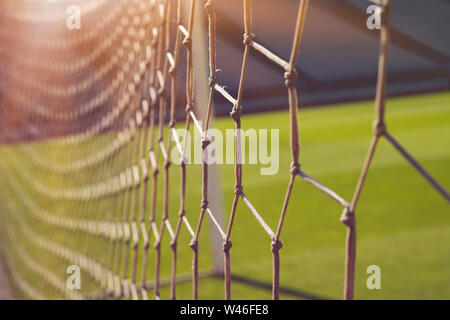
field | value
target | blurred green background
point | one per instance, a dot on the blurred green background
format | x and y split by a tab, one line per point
403	224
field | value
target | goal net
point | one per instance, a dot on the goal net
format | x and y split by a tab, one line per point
94	116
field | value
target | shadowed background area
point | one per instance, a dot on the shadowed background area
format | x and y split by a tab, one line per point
338	61
339	53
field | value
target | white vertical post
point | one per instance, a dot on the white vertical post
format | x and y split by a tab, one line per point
201	70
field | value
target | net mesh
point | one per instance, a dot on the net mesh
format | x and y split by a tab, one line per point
100	108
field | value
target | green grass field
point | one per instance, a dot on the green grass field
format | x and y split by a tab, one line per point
403	224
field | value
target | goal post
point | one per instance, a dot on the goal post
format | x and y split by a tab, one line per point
200	56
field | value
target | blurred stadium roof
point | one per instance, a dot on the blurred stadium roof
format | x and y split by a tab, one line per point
339	54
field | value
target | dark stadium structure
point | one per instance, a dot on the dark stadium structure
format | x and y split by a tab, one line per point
339	54
337	62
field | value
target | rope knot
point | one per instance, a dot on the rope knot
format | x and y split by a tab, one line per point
173	245
162	90
227	246
290	77
155	172
205	142
212	81
194	245
188	108
385	8
248	38
187	42
379	128
172	71
172	124
204	204
209	7
182	213
167	165
348	218
276	245
236	113
238	190
295	168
